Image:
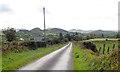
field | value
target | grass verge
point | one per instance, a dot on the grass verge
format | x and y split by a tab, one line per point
13	61
84	59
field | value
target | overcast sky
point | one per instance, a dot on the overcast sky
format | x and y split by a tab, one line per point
65	14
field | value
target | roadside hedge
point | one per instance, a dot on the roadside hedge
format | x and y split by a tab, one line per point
90	46
34	45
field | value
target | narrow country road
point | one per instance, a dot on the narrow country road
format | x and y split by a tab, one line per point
57	60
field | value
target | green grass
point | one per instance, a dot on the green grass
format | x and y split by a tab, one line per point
107	44
99	42
85	59
89	60
13	61
103	39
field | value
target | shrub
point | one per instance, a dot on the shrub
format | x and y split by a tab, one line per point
106	39
90	46
77	56
34	45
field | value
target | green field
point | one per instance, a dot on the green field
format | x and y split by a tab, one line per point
85	59
12	60
102	39
107	44
99	42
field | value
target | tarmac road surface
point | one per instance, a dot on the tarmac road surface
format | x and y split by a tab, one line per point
60	59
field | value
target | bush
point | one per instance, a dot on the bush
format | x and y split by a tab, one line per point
90	46
106	39
34	45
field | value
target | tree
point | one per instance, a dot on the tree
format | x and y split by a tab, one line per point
92	36
87	37
81	38
10	34
61	35
76	33
76	37
68	36
102	35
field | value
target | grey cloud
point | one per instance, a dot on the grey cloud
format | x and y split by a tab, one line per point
4	8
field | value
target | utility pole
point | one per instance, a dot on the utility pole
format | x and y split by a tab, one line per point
44	24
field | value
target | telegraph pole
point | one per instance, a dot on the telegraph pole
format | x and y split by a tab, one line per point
44	24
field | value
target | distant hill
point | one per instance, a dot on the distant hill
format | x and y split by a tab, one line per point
57	31
80	31
38	33
99	33
36	30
